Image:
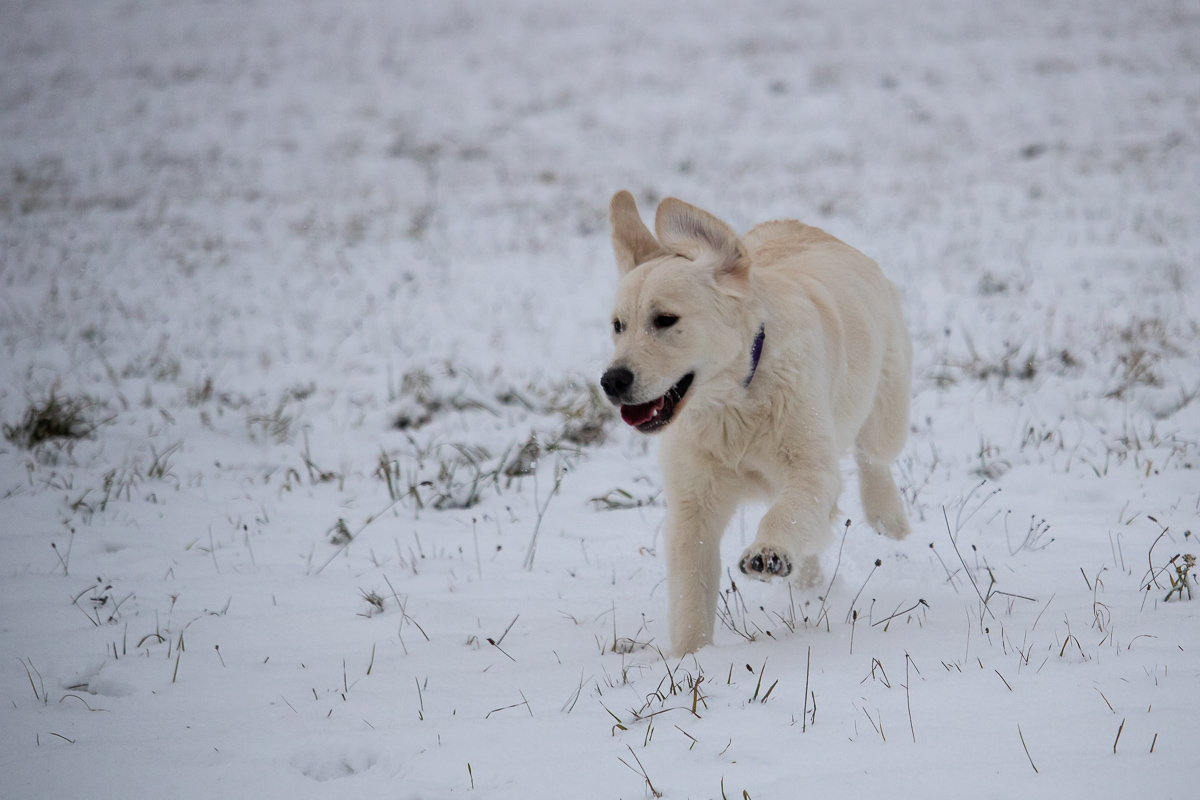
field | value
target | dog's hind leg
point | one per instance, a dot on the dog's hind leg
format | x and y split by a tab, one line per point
880	441
881	499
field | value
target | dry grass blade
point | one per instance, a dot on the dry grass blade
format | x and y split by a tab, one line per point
965	567
1022	735
41	696
54	418
807	671
920	602
908	697
560	471
354	536
640	771
619	499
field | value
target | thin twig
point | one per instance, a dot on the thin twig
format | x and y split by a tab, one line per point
878	564
531	551
212	550
641	771
837	565
913	607
807	670
964	563
908	698
346	544
1035	769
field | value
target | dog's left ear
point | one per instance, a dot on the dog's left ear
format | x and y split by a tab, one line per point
692	232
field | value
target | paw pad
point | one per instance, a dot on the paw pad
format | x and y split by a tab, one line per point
765	564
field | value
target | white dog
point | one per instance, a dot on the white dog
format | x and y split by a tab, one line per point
763	359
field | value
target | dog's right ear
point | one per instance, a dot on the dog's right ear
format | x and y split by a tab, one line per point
632	241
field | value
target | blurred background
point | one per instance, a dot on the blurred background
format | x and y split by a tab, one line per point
430	179
288	285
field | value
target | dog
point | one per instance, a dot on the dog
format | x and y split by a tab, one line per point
761	359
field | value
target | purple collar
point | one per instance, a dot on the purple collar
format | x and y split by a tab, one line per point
756	353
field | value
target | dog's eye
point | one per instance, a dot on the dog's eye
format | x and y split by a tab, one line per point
664	321
617	326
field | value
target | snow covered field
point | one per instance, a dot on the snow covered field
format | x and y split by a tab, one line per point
309	276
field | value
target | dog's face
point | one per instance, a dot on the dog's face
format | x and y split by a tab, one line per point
679	322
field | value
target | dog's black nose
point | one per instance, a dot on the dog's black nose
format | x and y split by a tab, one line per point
616	382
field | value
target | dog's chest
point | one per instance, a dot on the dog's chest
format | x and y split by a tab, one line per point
738	442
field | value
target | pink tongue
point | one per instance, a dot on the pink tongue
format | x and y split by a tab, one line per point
636	415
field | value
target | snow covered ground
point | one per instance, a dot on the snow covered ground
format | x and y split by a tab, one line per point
240	241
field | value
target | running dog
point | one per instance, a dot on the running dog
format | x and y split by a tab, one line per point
762	360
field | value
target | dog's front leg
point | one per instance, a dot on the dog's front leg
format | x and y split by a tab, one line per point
696	519
796	528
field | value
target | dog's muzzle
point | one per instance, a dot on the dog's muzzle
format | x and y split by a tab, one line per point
646	417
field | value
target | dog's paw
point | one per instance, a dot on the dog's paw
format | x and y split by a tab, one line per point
765	563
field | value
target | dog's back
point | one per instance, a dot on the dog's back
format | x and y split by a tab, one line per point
808	278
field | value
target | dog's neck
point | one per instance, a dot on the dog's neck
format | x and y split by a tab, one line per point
756	353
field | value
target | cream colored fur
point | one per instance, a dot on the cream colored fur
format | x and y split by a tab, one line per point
834	376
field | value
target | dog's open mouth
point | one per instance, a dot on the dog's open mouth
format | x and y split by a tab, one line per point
650	417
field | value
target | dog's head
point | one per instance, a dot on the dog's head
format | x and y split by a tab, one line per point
683	323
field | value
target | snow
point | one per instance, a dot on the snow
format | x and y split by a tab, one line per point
254	234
